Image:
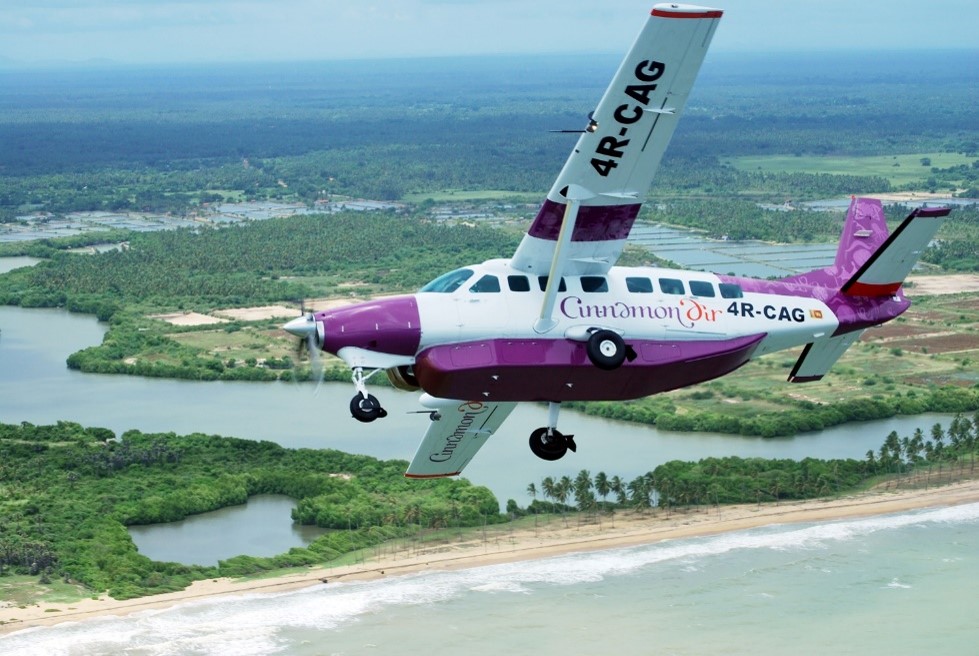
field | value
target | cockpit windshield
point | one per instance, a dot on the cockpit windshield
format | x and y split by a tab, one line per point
448	282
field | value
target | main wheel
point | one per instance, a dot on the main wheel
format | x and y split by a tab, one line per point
548	447
366	409
606	350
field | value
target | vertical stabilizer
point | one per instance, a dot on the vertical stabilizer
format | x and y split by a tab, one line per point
864	232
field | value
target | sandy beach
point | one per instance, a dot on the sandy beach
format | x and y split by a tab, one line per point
551	537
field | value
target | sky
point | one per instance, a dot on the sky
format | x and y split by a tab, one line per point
45	32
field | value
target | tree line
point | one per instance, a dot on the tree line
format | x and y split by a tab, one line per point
729	480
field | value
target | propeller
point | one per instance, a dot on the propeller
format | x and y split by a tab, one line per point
305	328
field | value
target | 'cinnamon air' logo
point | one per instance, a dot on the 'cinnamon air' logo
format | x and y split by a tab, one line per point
470	411
687	313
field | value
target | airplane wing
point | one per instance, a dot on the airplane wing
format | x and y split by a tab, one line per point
603	184
454	437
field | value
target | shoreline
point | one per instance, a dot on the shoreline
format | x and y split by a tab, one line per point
559	537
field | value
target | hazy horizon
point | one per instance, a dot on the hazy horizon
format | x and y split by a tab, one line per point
98	33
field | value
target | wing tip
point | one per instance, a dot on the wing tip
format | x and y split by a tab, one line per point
425	476
672	10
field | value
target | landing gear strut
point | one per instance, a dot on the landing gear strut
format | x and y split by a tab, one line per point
547	443
365	407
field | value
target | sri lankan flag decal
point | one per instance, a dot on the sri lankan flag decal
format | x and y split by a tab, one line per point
816	314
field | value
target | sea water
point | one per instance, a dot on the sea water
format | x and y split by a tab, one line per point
895	584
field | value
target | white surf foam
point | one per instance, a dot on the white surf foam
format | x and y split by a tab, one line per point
251	624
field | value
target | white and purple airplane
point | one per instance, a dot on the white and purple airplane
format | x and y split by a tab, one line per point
559	321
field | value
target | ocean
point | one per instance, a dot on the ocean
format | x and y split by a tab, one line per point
894	584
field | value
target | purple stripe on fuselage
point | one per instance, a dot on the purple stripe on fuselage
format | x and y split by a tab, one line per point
559	369
594	222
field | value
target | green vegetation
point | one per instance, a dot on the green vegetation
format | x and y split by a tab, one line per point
909	170
939	458
67	493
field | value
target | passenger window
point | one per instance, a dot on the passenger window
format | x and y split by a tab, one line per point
639	285
671	286
701	288
486	285
730	290
518	283
594	284
543	284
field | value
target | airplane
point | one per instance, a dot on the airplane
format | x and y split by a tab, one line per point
559	321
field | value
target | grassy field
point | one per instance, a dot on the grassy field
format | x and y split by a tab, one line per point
899	169
23	591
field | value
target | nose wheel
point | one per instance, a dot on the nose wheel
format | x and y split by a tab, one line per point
364	406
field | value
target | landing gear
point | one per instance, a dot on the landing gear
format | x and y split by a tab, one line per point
606	349
548	443
365	407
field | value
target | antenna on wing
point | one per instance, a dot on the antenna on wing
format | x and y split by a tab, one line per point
591	127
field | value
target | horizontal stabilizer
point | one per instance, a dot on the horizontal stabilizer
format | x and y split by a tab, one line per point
817	358
457	431
885	270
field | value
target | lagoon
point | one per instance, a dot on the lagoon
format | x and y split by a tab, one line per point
36	386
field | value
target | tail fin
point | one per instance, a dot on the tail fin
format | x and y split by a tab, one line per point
869	262
883	272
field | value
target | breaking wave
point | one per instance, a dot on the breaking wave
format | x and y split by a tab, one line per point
255	623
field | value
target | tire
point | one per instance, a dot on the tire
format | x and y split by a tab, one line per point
606	350
366	409
554	449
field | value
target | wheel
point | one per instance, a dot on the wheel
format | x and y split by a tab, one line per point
366	409
548	447
606	350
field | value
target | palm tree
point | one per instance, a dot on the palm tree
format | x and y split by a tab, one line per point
562	489
639	492
582	490
602	485
548	488
618	489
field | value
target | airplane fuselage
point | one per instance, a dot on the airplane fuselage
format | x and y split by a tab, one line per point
468	334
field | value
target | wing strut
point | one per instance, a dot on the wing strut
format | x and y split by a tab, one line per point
575	194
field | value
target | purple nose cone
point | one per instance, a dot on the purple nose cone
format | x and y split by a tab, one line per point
387	325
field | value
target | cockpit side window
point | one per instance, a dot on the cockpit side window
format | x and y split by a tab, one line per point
448	282
486	285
